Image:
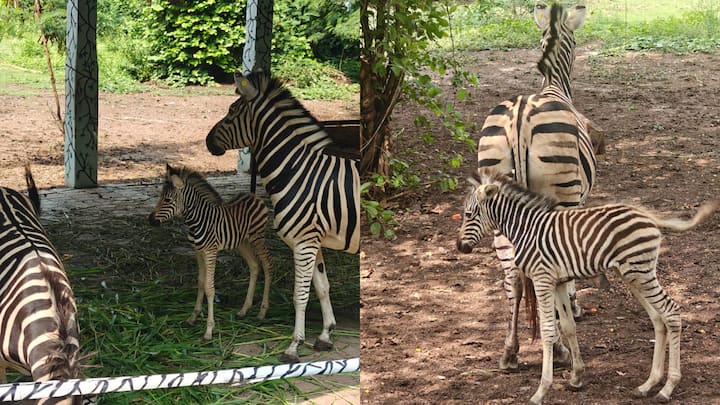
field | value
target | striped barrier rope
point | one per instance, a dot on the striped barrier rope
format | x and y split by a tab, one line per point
239	376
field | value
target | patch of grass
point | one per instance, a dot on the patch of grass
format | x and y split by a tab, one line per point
135	286
661	25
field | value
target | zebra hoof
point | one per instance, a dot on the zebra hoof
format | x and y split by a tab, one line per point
289	358
660	398
322	346
575	387
240	315
509	363
638	394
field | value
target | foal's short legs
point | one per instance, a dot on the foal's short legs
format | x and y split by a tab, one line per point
567	327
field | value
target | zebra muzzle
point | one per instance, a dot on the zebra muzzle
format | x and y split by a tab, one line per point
464	247
153	221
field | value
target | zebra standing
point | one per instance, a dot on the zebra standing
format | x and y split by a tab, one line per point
554	246
315	193
544	143
38	322
214	225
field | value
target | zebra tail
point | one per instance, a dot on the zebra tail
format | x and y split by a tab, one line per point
32	190
530	306
63	362
705	211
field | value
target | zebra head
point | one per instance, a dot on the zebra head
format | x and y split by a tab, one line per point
558	42
477	222
171	201
236	130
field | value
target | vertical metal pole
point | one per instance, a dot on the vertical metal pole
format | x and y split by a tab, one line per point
256	56
81	95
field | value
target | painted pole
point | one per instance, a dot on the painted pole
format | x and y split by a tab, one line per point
81	95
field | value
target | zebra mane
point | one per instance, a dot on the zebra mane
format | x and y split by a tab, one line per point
555	39
513	190
275	90
197	182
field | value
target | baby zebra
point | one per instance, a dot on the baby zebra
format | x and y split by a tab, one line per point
38	323
213	226
555	245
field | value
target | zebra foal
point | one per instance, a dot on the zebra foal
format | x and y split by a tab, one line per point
554	246
38	316
315	193
214	225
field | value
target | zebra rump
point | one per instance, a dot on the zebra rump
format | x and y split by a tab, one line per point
35	292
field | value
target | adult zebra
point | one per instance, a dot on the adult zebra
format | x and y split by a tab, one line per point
556	245
38	324
315	194
543	142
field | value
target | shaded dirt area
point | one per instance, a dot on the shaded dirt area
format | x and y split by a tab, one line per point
434	320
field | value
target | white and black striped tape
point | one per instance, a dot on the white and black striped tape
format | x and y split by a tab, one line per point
238	376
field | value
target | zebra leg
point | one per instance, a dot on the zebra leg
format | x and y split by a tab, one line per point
577	310
513	291
264	256
666	321
545	290
304	258
567	325
210	259
254	266
200	256
322	290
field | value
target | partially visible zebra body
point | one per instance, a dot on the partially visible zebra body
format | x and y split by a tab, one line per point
543	142
38	322
214	225
555	245
315	193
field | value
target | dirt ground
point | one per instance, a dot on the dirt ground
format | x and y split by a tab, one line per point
434	320
138	134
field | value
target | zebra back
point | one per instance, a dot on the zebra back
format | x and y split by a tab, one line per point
34	292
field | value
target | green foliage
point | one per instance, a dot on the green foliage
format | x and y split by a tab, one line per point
381	220
190	39
310	79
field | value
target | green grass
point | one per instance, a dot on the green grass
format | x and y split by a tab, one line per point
135	285
661	25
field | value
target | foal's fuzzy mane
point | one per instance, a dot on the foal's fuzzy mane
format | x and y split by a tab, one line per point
511	189
198	182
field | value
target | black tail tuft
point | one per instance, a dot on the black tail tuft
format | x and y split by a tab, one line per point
32	190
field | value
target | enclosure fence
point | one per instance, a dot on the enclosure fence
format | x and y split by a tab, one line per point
239	376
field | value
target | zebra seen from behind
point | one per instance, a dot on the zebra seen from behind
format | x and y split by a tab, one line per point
543	142
213	226
315	193
554	246
39	333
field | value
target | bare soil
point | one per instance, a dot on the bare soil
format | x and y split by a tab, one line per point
138	134
434	320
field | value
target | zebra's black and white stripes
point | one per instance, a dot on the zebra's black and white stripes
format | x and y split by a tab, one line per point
543	142
38	324
214	225
554	246
315	193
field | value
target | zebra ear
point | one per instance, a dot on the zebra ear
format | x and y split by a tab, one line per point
244	87
488	191
176	181
577	17
542	14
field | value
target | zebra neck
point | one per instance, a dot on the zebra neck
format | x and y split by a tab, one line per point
197	210
558	89
519	216
282	157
